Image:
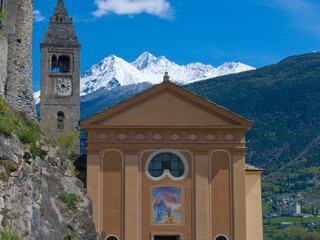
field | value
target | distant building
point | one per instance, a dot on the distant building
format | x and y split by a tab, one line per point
295	208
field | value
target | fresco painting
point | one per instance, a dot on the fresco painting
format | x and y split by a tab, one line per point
167	206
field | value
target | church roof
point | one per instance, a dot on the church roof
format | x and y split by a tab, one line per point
253	168
204	107
61	30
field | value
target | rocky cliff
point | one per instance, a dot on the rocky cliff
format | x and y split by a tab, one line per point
41	198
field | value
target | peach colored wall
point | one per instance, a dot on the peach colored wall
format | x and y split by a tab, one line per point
202	214
112	193
131	214
239	196
254	209
93	186
220	194
170	110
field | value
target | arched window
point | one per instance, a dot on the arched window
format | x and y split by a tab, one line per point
64	64
54	64
60	120
221	237
112	238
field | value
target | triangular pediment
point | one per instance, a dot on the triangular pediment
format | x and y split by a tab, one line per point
164	105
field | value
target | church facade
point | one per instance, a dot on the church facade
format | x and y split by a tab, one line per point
167	164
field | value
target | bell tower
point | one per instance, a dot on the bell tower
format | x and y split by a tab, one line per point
60	76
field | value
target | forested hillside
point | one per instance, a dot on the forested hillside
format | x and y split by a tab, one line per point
284	102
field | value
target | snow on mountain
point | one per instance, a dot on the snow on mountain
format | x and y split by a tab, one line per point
109	73
114	71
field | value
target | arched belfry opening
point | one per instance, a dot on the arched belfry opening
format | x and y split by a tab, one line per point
64	64
54	64
60	120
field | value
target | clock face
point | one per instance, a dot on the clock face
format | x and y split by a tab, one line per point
63	87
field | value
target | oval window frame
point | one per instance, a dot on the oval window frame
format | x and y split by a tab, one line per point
166	172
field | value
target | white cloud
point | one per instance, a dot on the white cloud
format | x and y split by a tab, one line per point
160	8
37	16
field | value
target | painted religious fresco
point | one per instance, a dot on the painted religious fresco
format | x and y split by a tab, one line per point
167	206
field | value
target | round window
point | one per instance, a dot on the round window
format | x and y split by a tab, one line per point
164	161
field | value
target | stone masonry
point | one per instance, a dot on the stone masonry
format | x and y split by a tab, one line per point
60	113
18	84
3	65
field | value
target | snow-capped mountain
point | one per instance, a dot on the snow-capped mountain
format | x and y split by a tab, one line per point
113	71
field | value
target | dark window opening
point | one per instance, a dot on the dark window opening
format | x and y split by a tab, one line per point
64	64
221	238
60	65
19	40
112	238
165	238
164	161
54	64
60	120
61	19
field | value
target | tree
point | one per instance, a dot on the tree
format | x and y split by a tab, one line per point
68	140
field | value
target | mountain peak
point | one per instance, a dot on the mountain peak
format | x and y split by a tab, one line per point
144	60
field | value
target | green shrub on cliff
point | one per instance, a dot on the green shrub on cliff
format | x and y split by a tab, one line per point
13	123
8	233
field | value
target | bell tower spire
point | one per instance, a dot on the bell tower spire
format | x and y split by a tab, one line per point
60	76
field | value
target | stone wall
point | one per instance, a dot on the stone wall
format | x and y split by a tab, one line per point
3	65
29	193
19	76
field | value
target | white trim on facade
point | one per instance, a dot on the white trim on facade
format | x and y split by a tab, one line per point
122	188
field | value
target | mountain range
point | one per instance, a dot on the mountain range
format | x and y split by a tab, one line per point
113	72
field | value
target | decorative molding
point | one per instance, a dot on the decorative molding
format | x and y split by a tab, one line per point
193	137
165	136
229	137
175	137
211	137
157	137
122	136
103	136
140	136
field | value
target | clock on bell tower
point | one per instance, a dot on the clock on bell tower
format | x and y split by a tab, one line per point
60	76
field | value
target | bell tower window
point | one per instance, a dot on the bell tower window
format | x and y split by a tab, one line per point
60	120
64	64
54	64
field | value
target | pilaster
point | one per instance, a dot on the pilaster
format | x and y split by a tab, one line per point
131	196
201	196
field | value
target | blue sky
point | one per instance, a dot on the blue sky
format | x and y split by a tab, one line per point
254	32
